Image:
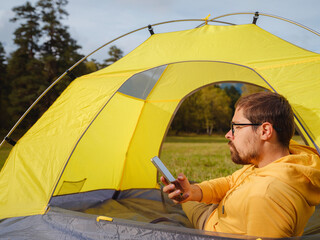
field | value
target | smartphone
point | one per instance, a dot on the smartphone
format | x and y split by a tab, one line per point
162	168
168	176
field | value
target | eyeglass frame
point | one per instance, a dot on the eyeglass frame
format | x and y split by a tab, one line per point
242	124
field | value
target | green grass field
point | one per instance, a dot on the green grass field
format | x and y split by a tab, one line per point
198	157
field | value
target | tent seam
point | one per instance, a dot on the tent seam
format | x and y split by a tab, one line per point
129	144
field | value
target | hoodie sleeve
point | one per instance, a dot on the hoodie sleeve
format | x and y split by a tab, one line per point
214	190
265	217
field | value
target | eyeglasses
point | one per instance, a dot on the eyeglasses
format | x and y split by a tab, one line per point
242	124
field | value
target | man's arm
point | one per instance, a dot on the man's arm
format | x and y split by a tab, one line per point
214	190
208	191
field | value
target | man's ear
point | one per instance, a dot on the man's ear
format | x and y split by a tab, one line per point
267	131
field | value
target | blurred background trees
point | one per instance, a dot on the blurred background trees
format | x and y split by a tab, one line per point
206	111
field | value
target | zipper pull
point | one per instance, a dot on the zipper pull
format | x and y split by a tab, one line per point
222	209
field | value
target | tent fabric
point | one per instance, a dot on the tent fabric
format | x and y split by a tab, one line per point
101	133
65	224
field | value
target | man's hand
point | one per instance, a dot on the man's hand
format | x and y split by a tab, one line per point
188	193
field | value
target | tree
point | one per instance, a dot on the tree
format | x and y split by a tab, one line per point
59	50
234	95
205	111
188	117
28	34
4	88
91	65
3	68
24	69
216	109
115	54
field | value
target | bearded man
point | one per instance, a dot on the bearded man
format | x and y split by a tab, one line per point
275	192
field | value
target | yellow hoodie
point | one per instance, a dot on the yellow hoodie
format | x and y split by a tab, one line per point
274	201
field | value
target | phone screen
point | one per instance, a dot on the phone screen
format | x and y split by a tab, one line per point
168	176
162	168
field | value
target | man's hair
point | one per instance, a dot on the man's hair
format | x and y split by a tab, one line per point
269	107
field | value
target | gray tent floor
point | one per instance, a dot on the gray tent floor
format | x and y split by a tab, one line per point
143	210
132	219
65	224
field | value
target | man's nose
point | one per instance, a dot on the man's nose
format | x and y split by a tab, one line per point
229	135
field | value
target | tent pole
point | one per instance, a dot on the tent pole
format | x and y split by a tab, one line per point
84	58
267	15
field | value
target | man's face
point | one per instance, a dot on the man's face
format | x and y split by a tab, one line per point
244	144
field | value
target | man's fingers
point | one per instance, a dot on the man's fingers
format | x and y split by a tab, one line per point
163	180
179	190
174	194
178	197
169	188
181	177
184	183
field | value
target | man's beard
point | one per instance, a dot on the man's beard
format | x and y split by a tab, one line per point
244	160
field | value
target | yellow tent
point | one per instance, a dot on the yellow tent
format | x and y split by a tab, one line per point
101	133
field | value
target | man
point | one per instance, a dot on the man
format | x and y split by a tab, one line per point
276	191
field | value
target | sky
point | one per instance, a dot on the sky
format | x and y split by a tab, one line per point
96	22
